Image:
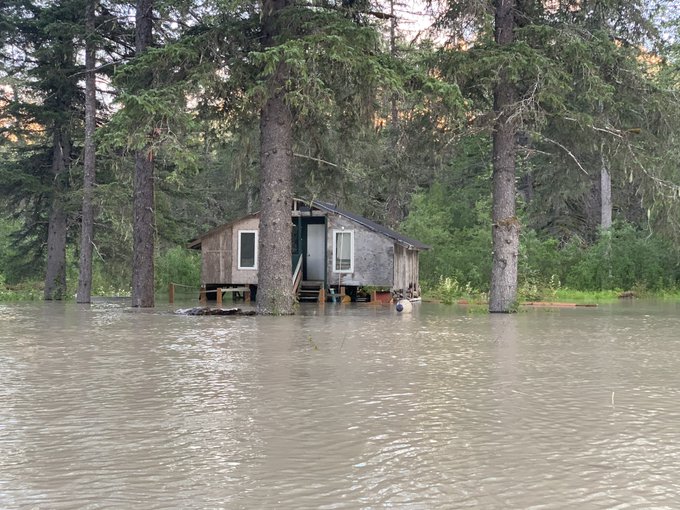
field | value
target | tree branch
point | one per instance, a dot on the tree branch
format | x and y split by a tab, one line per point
568	152
318	160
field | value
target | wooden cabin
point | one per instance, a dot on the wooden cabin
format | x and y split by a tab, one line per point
333	251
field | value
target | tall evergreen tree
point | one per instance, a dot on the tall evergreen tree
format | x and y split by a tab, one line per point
275	292
304	71
505	225
571	66
143	192
87	214
42	40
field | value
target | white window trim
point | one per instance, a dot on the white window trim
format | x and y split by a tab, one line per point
238	260
351	253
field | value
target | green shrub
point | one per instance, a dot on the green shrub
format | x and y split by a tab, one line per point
455	223
30	291
449	290
459	238
625	258
178	265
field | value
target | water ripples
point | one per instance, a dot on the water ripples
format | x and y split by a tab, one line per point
104	407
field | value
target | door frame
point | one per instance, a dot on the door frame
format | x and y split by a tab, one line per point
315	220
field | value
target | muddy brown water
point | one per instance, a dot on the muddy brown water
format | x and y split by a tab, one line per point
345	407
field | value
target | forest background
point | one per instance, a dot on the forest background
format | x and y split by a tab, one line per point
394	119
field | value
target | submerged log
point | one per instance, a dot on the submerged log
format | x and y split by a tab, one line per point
204	310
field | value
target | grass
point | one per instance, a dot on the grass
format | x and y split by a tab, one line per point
584	296
450	291
21	292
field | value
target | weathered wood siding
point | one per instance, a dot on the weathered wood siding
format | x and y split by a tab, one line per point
373	255
378	260
405	268
242	276
216	251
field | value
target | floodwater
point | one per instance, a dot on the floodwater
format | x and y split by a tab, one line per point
346	407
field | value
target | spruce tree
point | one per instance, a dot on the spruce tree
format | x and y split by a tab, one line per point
561	85
143	236
87	213
42	41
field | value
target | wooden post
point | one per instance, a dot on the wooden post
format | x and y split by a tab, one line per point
219	297
202	296
246	296
171	292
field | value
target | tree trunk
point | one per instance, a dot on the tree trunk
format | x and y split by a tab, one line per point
143	26
275	288
143	190
394	213
55	274
84	293
505	227
605	196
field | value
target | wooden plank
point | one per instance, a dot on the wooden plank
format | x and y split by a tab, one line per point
236	289
558	305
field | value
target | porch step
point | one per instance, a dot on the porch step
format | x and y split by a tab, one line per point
311	291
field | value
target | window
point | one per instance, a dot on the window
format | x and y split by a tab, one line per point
247	249
343	251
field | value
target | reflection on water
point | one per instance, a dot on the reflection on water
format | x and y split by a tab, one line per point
347	407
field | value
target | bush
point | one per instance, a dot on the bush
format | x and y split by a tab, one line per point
459	238
20	292
449	290
455	223
178	265
625	258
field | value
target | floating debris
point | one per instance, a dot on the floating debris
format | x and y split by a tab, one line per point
204	310
404	305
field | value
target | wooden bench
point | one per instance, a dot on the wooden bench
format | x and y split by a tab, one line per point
203	295
222	290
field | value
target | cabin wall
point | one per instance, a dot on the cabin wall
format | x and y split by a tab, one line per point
242	276
373	255
406	272
216	251
378	260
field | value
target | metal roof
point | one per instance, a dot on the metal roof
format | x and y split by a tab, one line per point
195	244
371	225
331	208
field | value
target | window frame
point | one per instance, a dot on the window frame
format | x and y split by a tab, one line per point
238	260
335	252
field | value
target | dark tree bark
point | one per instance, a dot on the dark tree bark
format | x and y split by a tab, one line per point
143	190
143	26
55	274
275	288
84	293
505	227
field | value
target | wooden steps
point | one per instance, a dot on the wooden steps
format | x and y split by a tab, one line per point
311	291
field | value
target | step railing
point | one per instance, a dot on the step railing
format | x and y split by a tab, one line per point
297	272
